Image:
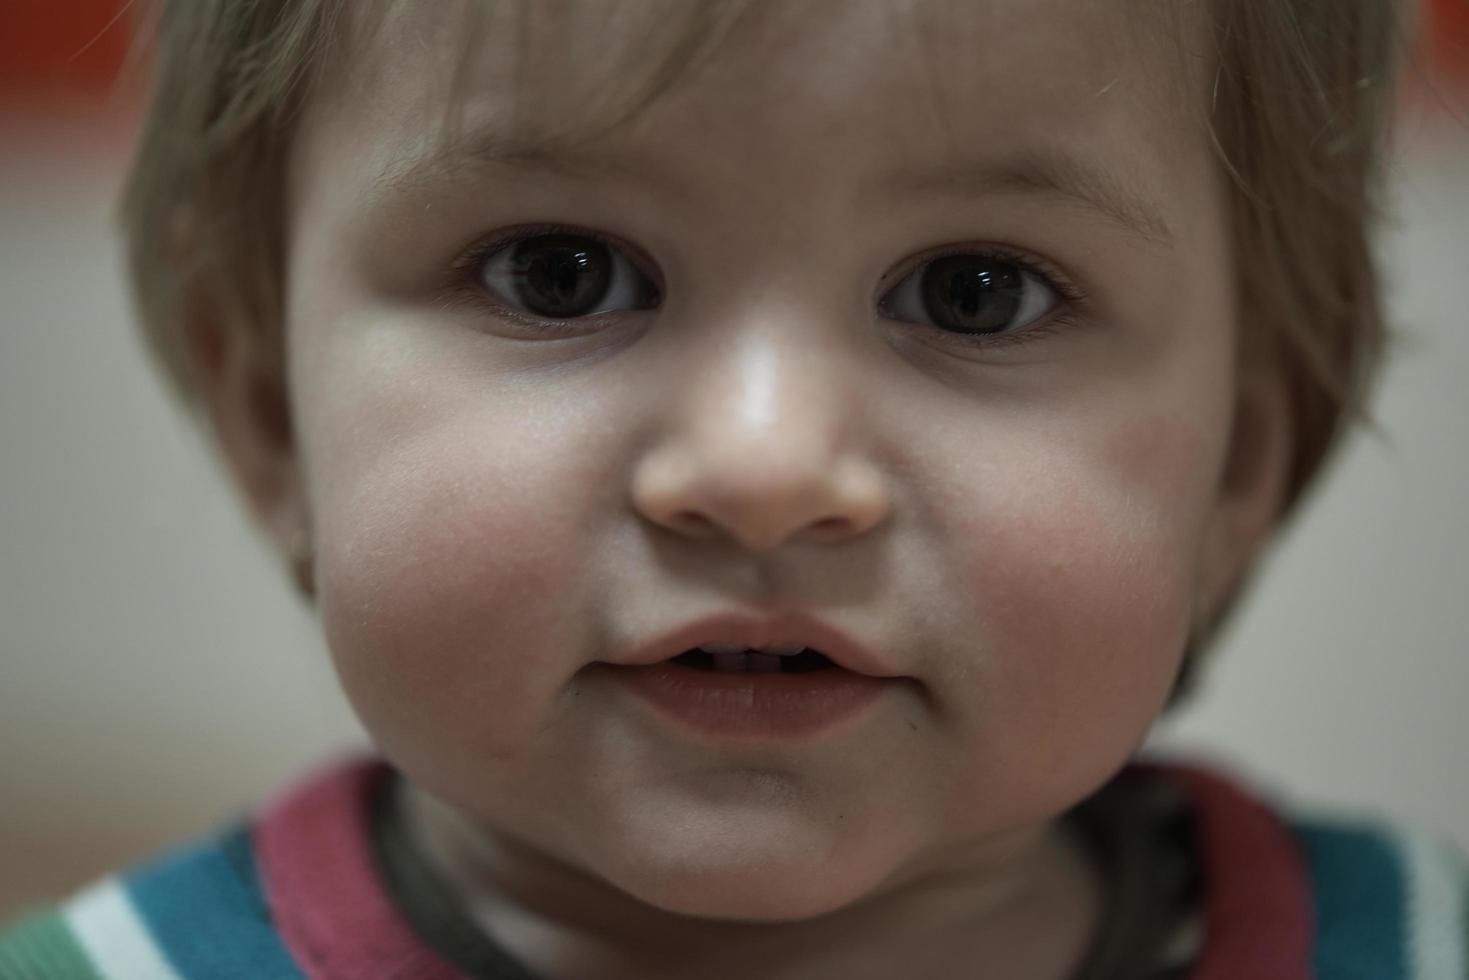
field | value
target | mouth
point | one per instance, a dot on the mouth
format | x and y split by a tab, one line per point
726	659
745	677
754	693
740	643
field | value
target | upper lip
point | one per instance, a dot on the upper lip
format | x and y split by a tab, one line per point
758	631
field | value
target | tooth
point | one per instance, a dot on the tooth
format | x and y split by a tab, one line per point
785	649
718	648
724	660
763	663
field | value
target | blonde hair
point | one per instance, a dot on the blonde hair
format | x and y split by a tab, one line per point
1300	102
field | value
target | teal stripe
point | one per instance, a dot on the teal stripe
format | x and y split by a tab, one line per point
207	911
1359	889
41	947
1464	908
1463	868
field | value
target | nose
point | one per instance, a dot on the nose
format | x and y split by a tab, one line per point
761	447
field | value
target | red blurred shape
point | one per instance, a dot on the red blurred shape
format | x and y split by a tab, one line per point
1448	35
61	50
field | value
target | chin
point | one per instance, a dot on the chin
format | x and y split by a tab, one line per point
741	846
764	902
759	888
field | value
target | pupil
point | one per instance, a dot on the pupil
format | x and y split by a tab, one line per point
561	275
972	293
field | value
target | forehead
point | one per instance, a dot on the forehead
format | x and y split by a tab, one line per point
855	87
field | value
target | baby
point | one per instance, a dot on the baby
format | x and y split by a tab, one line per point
762	467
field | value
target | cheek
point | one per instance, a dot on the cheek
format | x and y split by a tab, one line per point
1081	569
448	563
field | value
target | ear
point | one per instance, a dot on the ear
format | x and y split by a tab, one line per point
238	371
1252	487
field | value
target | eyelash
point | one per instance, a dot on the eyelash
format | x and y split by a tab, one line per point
466	289
1071	298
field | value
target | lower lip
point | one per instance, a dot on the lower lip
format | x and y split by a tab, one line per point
754	705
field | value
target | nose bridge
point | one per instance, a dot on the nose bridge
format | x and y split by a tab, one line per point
768	394
761	439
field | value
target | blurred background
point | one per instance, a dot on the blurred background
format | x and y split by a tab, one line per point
158	676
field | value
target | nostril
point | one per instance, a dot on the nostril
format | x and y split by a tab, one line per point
692	522
832	527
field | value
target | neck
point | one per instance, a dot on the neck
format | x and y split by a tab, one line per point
1025	907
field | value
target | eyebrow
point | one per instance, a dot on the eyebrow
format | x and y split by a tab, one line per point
1076	182
1069	179
494	150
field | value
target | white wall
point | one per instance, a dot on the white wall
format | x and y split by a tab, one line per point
156	674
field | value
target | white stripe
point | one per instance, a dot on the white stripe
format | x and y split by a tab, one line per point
1435	908
114	937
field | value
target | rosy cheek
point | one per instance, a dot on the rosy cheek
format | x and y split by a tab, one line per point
1160	456
1087	601
446	574
1080	573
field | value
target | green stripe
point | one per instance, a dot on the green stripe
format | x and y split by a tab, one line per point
1463	869
41	947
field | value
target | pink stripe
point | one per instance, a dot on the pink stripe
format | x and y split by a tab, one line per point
317	868
1259	917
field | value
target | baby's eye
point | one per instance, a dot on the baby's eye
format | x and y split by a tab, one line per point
972	294
563	275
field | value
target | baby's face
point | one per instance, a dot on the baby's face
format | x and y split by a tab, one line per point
918	323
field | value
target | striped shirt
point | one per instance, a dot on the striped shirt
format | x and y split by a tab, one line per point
297	893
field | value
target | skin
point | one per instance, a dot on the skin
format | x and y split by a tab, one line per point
1025	531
